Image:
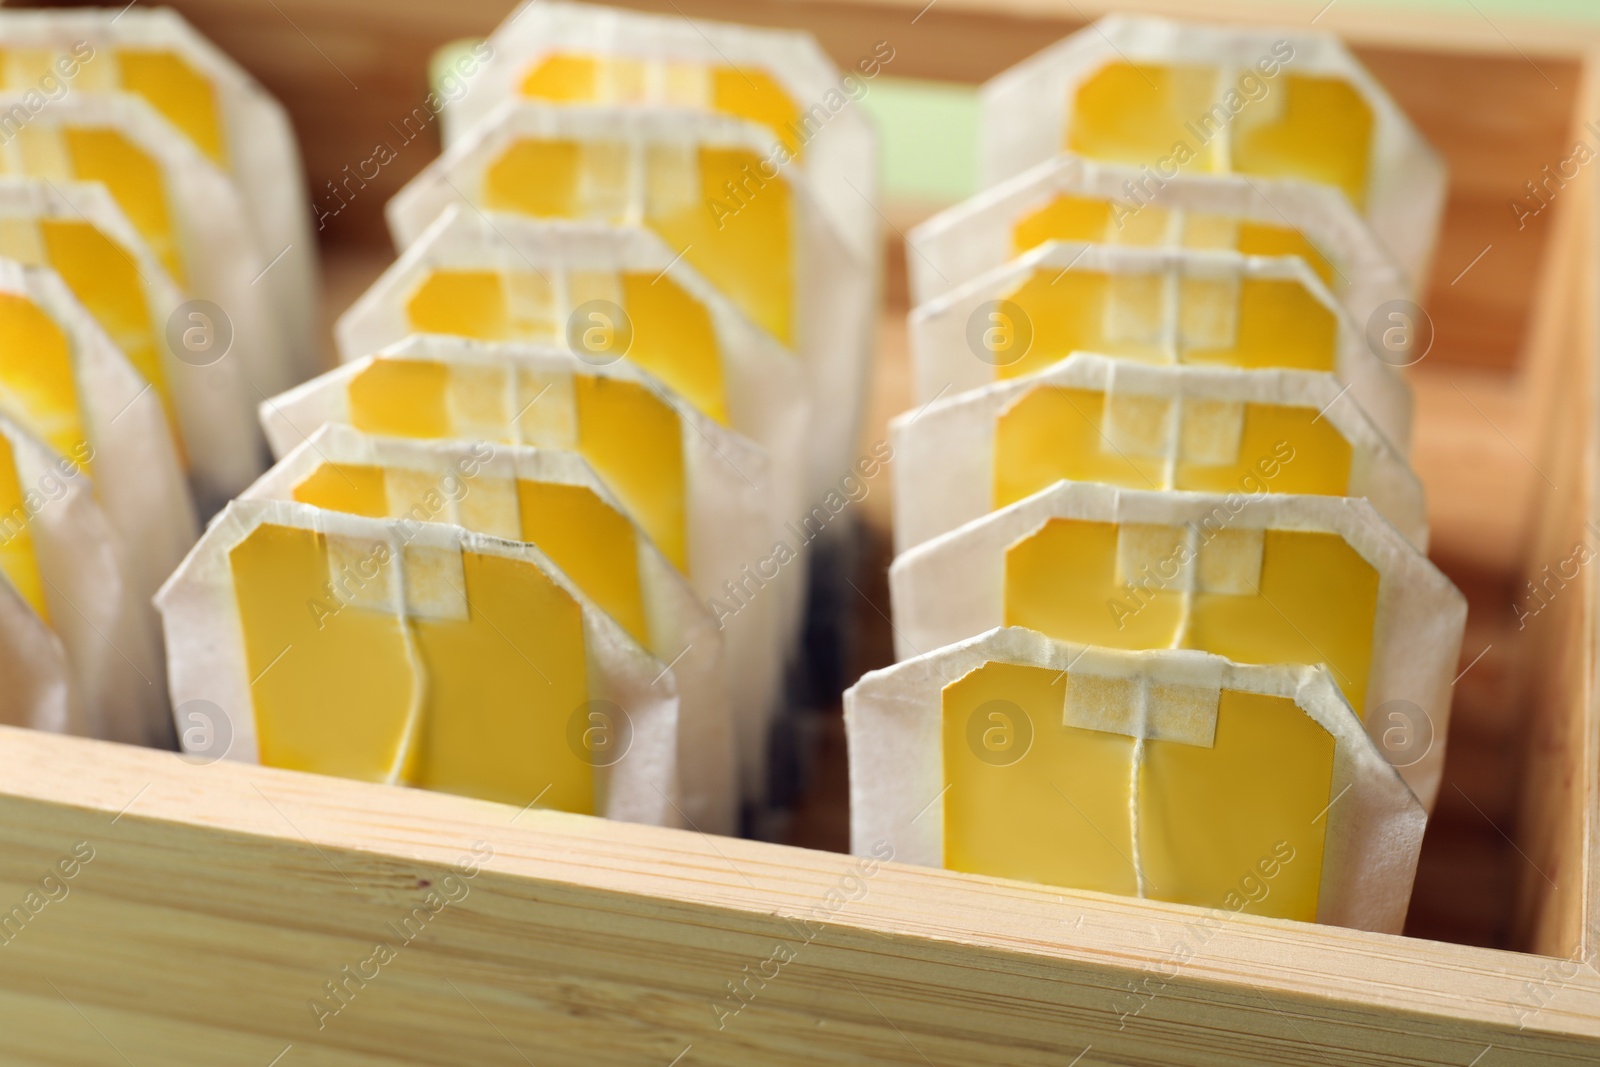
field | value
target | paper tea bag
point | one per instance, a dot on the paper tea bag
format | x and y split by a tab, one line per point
604	294
1188	306
1169	98
153	54
417	654
1171	775
1140	426
79	654
554	501
67	384
559	53
188	212
698	490
705	186
75	229
1072	199
1256	577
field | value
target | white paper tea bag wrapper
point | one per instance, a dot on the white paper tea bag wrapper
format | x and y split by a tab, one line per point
82	655
1173	96
153	54
67	384
1187	306
605	294
396	669
1094	419
1258	577
77	230
40	694
779	80
721	532
187	210
491	489
701	182
1343	852
1072	199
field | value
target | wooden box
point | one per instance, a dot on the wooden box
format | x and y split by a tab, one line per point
210	910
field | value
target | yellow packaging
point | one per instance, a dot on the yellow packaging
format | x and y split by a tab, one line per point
553	500
1172	98
425	656
1259	578
1142	426
1169	775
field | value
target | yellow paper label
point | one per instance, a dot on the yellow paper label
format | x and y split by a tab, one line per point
1252	323
182	95
1175	118
38	385
1273	596
1092	220
630	436
1053	433
134	181
1236	824
343	682
745	93
105	279
592	543
665	330
727	211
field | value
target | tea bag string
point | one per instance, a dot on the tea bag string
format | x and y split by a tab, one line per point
413	725
1180	635
1136	769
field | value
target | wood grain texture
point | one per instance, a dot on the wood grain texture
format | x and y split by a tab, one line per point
220	899
1557	907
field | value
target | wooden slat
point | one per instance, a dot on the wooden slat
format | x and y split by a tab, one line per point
220	899
1558	913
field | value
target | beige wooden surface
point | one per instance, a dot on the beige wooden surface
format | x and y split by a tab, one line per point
219	900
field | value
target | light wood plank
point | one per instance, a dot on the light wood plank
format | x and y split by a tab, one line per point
1559	911
221	898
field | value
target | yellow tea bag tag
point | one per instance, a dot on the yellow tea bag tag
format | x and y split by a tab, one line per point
699	491
76	230
1190	307
647	445
703	186
606	295
1168	99
184	207
1254	576
1091	418
423	655
1168	775
67	384
178	84
779	82
554	501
